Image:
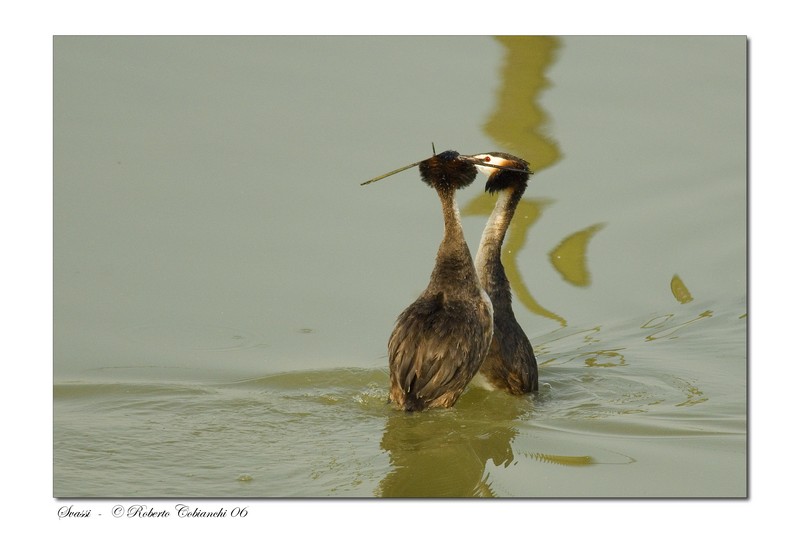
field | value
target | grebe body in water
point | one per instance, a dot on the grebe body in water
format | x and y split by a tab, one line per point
510	364
440	341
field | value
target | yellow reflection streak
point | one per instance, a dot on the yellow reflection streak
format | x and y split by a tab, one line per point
679	290
671	332
579	460
589	337
517	125
518	120
693	394
610	358
563	460
569	257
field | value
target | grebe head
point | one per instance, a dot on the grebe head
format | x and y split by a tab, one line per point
502	170
448	169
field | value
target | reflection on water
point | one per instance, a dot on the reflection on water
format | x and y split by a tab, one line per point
578	460
679	290
445	453
566	460
605	359
693	394
664	327
332	433
569	257
518	121
518	124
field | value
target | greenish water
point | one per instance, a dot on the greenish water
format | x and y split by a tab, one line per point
604	424
224	290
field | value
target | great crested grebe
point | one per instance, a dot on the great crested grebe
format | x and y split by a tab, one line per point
510	364
441	339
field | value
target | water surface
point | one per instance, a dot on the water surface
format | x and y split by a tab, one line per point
224	289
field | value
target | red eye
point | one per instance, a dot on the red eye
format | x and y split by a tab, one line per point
487	158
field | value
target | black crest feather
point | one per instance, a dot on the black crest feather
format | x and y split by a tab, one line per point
447	169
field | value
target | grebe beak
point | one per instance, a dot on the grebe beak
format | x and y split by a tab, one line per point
481	162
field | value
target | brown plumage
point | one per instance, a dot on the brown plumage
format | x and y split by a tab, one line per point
441	339
510	364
